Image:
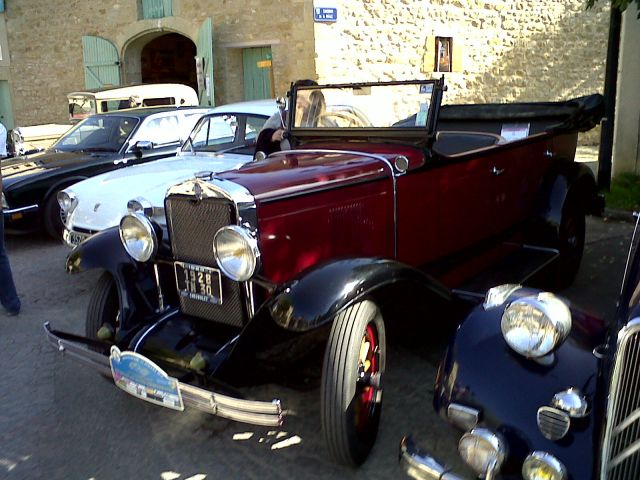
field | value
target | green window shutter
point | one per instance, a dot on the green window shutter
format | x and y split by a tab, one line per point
157	8
204	67
257	72
101	62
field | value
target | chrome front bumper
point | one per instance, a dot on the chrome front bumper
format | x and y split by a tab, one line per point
268	414
422	466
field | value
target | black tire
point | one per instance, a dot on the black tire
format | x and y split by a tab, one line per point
52	217
104	307
351	405
571	235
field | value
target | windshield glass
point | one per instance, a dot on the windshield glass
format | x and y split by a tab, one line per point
81	108
224	133
98	134
399	105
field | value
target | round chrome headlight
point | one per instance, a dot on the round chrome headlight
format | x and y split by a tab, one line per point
483	450
67	200
138	237
543	466
236	252
534	326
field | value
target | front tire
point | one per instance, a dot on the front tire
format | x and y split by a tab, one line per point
103	310
53	223
351	392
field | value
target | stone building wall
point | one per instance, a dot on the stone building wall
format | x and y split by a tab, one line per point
515	50
46	47
506	50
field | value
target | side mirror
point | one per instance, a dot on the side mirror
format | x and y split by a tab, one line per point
140	146
260	156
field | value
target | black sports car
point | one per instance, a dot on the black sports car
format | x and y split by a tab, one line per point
97	144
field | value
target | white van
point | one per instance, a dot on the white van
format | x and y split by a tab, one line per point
84	103
89	102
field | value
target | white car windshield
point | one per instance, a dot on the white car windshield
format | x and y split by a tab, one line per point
98	134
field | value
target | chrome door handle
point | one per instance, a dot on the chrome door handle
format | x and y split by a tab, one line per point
497	171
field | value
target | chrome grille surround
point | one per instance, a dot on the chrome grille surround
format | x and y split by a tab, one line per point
621	446
224	203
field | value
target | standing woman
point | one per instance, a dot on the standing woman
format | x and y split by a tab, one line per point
8	296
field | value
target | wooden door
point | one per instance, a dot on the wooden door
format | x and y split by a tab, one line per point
101	62
258	73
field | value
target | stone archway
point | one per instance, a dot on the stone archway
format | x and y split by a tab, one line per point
160	57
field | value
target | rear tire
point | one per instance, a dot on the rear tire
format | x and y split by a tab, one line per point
571	235
351	403
103	309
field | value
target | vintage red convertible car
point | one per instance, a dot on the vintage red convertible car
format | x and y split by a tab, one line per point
292	267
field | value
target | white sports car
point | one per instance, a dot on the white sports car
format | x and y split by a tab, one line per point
221	140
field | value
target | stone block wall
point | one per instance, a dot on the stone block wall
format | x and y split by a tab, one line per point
46	47
516	50
505	50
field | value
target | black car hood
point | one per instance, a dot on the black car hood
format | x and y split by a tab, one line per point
20	168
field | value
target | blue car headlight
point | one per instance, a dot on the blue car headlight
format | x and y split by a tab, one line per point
536	325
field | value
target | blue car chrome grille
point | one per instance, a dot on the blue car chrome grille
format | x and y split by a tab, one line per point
192	225
621	449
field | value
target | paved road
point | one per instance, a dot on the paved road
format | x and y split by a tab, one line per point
61	421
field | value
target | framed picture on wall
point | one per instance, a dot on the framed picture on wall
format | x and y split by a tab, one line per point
443	54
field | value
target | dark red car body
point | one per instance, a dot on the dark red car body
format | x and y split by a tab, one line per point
349	223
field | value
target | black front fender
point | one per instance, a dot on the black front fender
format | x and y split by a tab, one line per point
134	280
316	296
103	250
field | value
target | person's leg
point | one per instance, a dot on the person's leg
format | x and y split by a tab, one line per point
8	296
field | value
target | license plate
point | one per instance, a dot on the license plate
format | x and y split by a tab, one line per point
72	238
140	377
199	283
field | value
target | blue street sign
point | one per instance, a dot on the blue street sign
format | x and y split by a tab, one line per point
325	14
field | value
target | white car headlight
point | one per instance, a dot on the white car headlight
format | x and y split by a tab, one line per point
543	466
67	201
138	237
5	205
535	326
236	252
483	451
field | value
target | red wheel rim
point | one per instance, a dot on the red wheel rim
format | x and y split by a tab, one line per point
368	365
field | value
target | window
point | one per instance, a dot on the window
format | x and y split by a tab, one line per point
444	51
154	9
161	131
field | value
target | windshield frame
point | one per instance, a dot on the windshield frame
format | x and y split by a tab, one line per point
420	133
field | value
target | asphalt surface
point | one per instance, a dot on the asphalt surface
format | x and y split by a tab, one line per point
59	420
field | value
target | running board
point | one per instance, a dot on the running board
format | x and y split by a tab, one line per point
517	267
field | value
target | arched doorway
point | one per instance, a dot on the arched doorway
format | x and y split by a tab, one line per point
160	57
169	59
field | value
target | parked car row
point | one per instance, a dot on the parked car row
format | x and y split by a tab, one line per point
27	139
220	272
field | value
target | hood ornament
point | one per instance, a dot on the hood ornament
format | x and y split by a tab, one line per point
197	191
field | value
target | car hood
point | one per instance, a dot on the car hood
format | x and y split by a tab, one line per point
296	172
102	200
17	169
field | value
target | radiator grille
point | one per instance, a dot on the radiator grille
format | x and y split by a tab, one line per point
192	225
621	456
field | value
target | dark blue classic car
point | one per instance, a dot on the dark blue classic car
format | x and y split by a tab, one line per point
562	399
